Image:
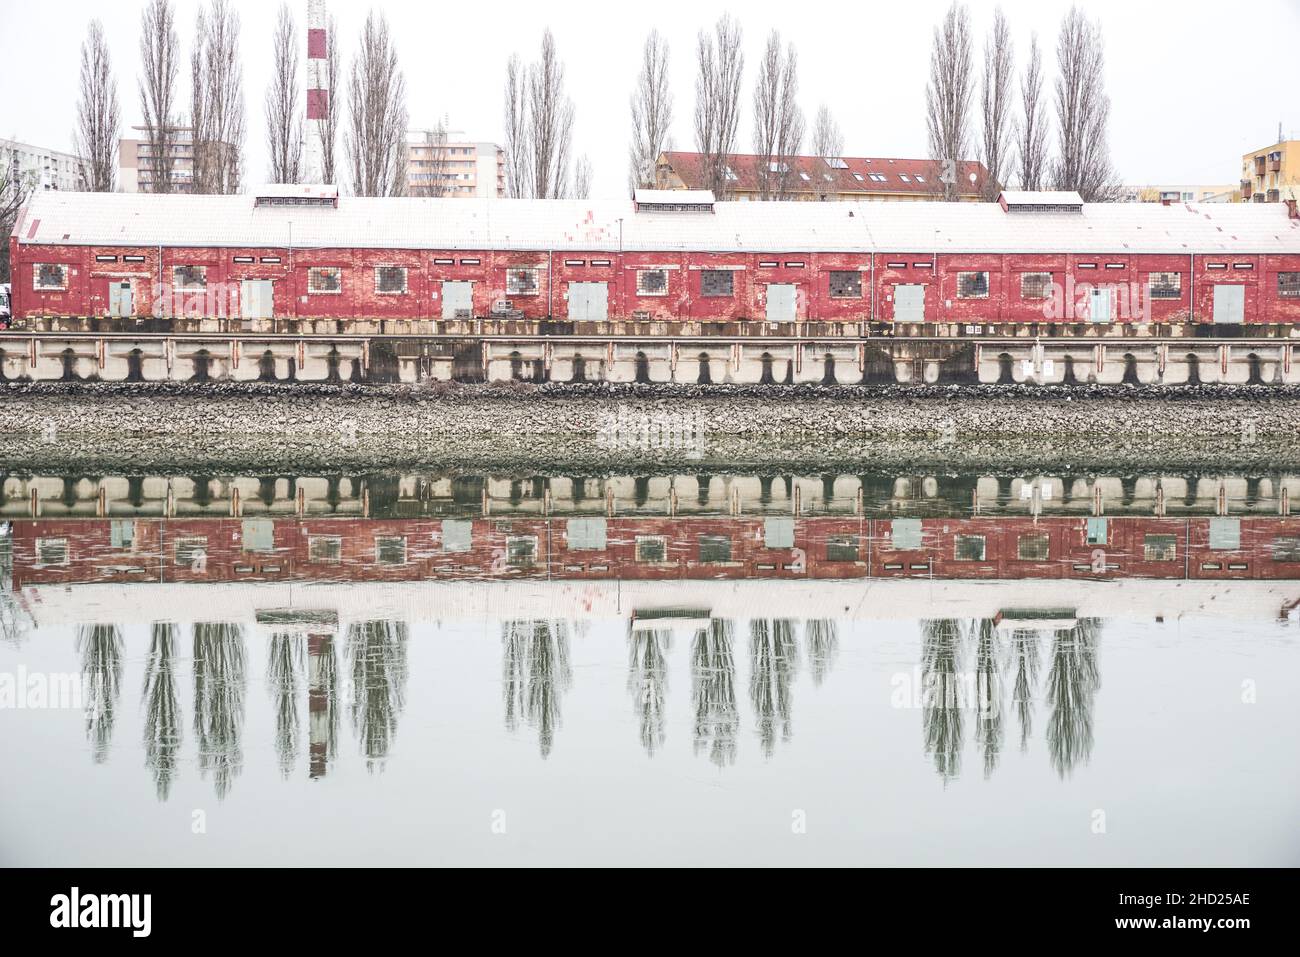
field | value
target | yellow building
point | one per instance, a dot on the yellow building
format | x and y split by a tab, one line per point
1271	174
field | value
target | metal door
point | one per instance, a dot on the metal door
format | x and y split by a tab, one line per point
588	301
1099	305
121	302
1229	303
909	303
457	300
256	299
780	302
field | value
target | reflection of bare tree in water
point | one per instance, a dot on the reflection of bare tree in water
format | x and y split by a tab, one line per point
647	682
774	659
377	660
713	692
1024	650
988	693
162	708
322	703
283	681
823	639
1072	682
536	674
220	679
941	717
100	647
14	626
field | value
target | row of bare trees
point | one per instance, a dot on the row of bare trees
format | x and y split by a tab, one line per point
539	122
1011	145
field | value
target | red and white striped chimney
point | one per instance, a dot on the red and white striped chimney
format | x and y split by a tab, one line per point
318	92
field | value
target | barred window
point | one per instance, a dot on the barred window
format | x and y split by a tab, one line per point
521	282
1165	285
651	549
842	548
390	280
652	282
325	549
1032	548
50	276
324	280
972	285
1288	285
717	283
715	548
1160	548
191	551
521	551
1286	549
969	548
51	551
1035	285
190	278
846	284
390	550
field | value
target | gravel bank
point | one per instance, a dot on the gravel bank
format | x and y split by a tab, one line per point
595	428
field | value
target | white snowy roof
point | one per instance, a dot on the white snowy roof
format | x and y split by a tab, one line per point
132	219
1025	197
674	196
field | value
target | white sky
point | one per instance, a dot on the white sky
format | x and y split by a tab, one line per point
1192	89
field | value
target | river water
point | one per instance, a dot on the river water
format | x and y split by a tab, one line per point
459	668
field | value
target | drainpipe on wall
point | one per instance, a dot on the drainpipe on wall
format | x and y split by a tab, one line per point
550	284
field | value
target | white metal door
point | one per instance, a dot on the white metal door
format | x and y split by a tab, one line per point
588	301
1099	305
256	298
1229	303
457	300
909	303
121	302
780	302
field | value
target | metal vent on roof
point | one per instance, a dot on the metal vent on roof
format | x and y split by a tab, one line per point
1041	201
294	194
673	200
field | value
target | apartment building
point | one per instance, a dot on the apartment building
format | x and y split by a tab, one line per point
42	168
1271	174
1182	193
138	169
452	166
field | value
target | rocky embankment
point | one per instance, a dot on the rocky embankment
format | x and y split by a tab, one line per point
598	427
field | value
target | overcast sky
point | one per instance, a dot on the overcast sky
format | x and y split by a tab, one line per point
1192	87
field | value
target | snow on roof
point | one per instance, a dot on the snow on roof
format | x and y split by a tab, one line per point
673	197
1025	197
134	219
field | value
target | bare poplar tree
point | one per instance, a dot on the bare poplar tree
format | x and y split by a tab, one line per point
160	61
778	121
948	97
582	178
376	136
99	120
518	178
717	101
329	124
550	123
1032	134
217	100
652	112
14	192
431	164
827	141
283	117
995	104
1082	112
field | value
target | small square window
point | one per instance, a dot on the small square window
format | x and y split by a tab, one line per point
324	280
1288	285
191	552
50	276
1165	285
716	283
652	282
521	551
842	548
51	551
1286	549
715	549
1035	285
390	550
651	549
969	548
846	284
190	278
972	285
390	280
521	282
325	549
1160	548
1032	548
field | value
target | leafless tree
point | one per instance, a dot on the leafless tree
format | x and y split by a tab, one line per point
717	101
1082	112
376	137
827	141
329	124
948	97
283	117
518	178
430	162
99	119
778	121
582	178
160	61
1032	133
995	104
217	100
652	112
550	123
14	191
